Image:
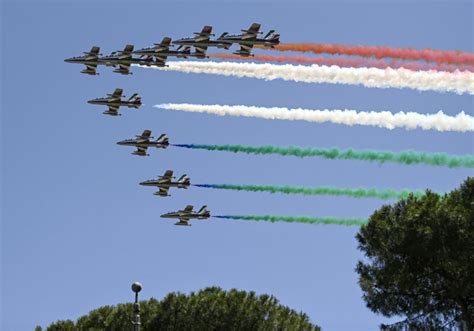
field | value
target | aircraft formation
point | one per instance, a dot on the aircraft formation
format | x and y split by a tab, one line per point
157	55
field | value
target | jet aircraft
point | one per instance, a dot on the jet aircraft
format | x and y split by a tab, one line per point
248	39
187	214
143	141
122	60
201	41
166	181
89	59
114	101
162	50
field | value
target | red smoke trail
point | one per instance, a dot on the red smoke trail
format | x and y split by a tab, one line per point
429	55
345	62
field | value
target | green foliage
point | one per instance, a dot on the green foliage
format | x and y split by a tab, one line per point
420	260
209	309
66	325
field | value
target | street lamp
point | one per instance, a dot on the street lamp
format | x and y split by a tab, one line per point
136	287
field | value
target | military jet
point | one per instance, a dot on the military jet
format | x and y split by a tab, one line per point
162	50
89	59
114	101
249	39
187	214
202	41
122	60
166	181
143	141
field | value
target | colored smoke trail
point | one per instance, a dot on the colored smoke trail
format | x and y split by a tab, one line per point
429	55
406	157
354	193
348	62
296	219
458	82
409	120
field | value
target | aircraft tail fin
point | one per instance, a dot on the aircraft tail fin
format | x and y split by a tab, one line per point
184	179
135	98
275	37
203	210
269	33
163	139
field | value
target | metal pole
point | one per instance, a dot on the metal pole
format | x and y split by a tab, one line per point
136	287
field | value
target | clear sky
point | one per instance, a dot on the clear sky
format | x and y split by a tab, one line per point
77	229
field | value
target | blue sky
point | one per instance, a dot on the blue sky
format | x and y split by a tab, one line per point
77	229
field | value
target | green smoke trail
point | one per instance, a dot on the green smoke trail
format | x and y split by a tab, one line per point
405	157
297	219
355	193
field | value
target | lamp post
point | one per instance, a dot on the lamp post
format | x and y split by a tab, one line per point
136	287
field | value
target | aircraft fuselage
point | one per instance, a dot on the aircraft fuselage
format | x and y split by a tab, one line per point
209	43
152	52
106	102
160	183
192	215
250	42
136	143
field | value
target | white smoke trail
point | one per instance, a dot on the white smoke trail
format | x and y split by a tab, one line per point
458	82
409	120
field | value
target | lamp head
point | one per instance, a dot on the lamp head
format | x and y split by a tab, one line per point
136	287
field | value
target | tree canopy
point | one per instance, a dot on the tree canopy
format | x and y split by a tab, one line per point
420	260
209	309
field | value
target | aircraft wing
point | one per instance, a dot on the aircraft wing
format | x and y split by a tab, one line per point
163	192
127	50
168	174
183	221
164	46
91	69
117	93
141	150
251	32
161	58
160	62
123	68
204	35
113	110
245	50
146	134
188	209
116	96
94	51
201	51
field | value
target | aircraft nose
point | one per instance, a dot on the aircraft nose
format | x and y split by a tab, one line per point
68	60
143	183
120	142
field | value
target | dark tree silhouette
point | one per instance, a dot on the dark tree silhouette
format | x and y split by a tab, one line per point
420	260
209	309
